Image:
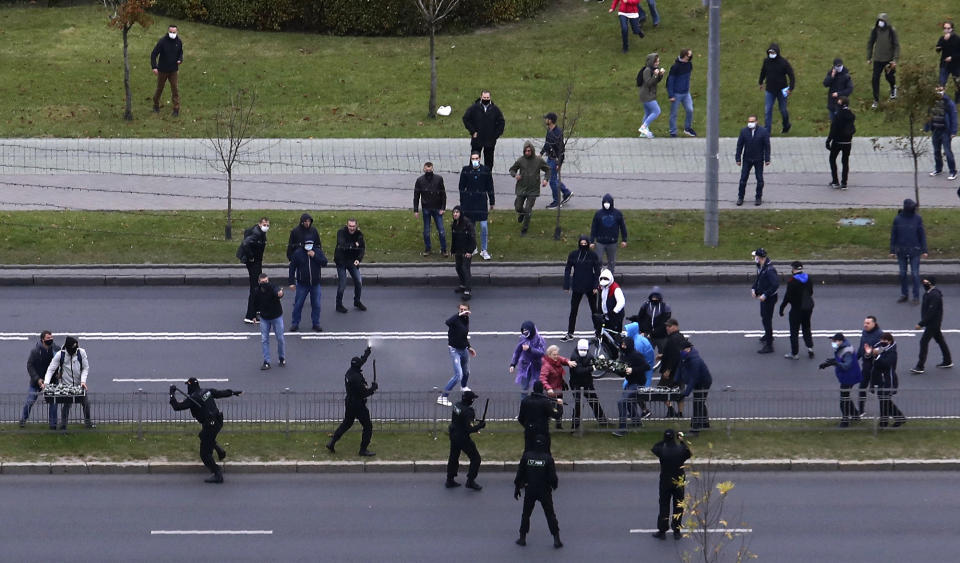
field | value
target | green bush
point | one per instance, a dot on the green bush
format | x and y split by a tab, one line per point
342	17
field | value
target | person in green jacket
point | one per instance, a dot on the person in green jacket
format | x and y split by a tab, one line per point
883	51
527	171
647	79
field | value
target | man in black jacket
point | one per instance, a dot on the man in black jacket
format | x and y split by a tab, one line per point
429	192
581	384
37	363
536	410
839	84
203	407
634	375
753	145
464	422
484	121
356	404
652	318
300	234
673	454
250	254
267	304
304	277
476	192
670	357
839	141
458	341
462	244
764	290
869	337
776	71
799	296
554	148
347	256
165	61
931	319
537	475
695	375
581	275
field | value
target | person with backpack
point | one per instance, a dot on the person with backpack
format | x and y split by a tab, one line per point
799	296
69	366
883	51
847	370
647	79
839	141
943	127
250	254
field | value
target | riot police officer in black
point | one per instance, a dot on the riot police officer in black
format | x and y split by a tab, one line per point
356	404
537	474
536	410
203	407
462	424
673	454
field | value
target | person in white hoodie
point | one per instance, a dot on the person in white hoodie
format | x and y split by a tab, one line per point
612	301
70	367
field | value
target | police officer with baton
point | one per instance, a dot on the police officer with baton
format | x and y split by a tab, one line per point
203	407
462	424
356	404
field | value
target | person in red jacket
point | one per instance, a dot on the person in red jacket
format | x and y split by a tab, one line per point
551	375
629	15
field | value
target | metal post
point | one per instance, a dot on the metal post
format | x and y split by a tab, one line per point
433	431
711	218
140	399
286	406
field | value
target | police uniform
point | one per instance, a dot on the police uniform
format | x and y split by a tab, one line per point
462	424
536	410
672	454
537	474
356	404
204	408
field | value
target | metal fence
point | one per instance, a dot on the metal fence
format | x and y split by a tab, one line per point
414	411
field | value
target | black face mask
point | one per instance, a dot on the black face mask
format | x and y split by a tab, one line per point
485	102
48	342
927	286
428	174
73	350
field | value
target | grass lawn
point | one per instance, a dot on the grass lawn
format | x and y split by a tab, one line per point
115	237
62	70
829	443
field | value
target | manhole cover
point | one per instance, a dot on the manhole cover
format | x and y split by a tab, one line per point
856	222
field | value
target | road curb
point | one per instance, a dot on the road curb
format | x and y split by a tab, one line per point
438	466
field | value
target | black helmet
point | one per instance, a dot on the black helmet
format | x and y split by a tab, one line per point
356	362
193	384
669	434
468	397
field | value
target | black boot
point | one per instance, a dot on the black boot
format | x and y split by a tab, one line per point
221	453
366	453
330	446
660	535
471	484
451	483
340	307
557	544
767	348
670	412
522	540
215	478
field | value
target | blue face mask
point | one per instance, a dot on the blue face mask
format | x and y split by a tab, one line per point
475	163
308	247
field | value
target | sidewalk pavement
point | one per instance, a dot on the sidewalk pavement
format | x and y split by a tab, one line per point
436	273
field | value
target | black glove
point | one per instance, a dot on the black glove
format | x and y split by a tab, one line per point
374	386
481	425
516	493
828	363
173	389
367	350
237	393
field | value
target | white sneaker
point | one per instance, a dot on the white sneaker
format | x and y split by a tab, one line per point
485	255
464	389
443	401
934	173
952	176
874	105
644	131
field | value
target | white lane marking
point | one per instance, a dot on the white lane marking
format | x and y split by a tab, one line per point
211	532
14	338
689	531
178	380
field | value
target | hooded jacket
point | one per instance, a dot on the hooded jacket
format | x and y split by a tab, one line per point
635	360
551	373
931	309
167	54
841	83
583	269
644	348
430	192
883	46
39	360
678	81
653	315
648	89
767	282
845	365
884	373
907	234
776	72
301	234
798	287
843	126
463	235
608	224
529	168
528	362
487	122
476	187
75	367
305	269
672	455
694	373
254	244
950	48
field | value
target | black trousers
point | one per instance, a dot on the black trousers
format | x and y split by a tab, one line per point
700	418
799	319
847	410
546	501
891	77
866	368
354	412
584	391
65	410
767	307
671	494
208	443
475	145
745	167
530	438
466	445
933	332
575	298
463	269
842	149
887	407
253	274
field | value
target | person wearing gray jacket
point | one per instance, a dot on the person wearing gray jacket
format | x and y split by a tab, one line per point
883	51
70	367
647	79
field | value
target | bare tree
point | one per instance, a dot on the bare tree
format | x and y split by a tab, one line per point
568	124
433	12
705	507
232	131
126	14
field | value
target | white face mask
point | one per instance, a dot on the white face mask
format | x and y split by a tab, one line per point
172	35
264	228
835	344
475	163
751	124
606	205
772	55
881	24
308	247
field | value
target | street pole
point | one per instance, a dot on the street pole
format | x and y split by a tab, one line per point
711	218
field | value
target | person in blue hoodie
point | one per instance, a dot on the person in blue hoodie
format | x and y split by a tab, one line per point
765	289
304	277
908	243
607	228
694	373
678	90
528	357
643	346
799	296
581	275
847	370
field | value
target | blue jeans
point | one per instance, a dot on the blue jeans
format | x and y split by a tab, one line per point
433	214
652	4
277	326
556	187
651	111
342	270
304	289
483	235
913	257
627	405
944	74
687	101
461	369
634	24
32	398
941	140
768	109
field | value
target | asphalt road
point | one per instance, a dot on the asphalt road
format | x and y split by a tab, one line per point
143	335
793	517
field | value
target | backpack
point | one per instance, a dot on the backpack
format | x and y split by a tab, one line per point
640	77
241	250
57	376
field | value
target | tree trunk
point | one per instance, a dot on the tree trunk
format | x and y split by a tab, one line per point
432	110
916	164
128	111
228	231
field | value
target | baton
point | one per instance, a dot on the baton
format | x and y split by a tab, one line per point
374	370
194	401
485	407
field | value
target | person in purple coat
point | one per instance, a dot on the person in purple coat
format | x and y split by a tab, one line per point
527	356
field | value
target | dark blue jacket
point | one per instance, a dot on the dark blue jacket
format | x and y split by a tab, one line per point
585	267
678	81
608	224
767	282
870	338
846	367
753	144
842	84
476	187
885	369
908	234
694	373
949	116
304	269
